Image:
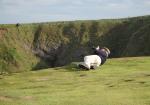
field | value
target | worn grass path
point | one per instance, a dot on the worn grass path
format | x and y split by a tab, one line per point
123	81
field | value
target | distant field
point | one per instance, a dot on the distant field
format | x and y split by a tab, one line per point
122	81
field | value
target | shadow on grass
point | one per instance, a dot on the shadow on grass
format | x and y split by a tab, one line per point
129	80
70	68
40	66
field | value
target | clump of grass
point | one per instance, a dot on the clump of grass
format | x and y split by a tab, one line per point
8	59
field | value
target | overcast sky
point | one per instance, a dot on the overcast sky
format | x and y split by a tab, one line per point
26	11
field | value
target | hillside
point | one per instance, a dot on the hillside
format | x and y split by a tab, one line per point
123	81
43	45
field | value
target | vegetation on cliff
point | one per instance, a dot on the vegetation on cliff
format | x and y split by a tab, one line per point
42	45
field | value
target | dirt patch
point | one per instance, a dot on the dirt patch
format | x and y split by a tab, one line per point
9	98
27	98
142	75
2	32
39	79
5	98
42	79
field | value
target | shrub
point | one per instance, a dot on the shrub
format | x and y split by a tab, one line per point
8	58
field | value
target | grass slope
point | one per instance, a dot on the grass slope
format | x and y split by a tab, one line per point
122	81
52	44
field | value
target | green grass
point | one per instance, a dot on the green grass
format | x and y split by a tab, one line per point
122	81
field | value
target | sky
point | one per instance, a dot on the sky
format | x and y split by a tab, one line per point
31	11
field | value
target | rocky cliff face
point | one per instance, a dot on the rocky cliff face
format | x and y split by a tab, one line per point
37	46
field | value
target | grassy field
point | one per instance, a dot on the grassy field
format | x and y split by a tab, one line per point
122	81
